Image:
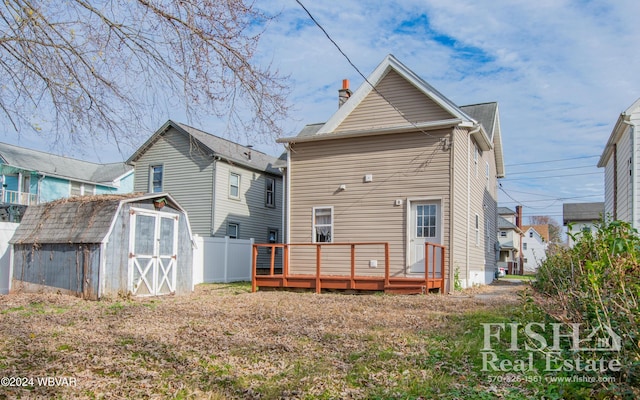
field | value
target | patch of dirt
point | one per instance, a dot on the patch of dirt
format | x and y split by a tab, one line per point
214	342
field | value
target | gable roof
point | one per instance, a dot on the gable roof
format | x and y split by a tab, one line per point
217	146
505	211
584	212
619	128
81	219
482	120
20	159
543	230
504	224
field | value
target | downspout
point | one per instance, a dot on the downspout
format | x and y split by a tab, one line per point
288	194
468	206
451	208
213	195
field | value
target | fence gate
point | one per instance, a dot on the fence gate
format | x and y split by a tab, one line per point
152	252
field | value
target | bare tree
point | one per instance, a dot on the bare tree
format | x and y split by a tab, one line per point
91	70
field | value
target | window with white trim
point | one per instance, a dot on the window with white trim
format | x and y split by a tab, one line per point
477	230
156	174
503	233
524	246
486	169
234	185
270	192
81	189
233	230
322	224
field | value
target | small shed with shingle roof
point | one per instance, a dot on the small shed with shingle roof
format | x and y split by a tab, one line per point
95	246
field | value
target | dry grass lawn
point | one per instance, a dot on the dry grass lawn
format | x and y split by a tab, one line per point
224	342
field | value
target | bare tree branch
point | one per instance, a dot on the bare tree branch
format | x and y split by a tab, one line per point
93	70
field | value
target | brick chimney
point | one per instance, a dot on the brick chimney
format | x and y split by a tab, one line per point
519	216
344	93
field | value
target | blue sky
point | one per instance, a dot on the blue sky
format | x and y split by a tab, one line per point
561	71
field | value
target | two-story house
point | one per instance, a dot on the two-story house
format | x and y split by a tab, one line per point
510	239
227	189
401	165
535	242
621	161
32	177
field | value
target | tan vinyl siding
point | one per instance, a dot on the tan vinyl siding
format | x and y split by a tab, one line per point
375	112
462	239
187	176
407	165
249	211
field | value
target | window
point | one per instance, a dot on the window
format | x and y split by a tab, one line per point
155	172
530	234
477	230
81	189
270	192
234	186
503	234
524	246
233	230
486	169
322	224
426	220
526	261
272	237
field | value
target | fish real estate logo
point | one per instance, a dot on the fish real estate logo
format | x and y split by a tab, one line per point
531	339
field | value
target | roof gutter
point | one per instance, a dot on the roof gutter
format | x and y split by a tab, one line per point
373	132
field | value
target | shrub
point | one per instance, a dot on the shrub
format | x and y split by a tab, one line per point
597	283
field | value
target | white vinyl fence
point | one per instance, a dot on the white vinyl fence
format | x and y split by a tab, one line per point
6	232
221	260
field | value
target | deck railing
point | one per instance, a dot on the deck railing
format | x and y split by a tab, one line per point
434	272
21	198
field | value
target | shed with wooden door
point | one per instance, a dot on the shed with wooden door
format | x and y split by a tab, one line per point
107	245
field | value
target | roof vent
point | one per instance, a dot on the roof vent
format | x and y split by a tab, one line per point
248	153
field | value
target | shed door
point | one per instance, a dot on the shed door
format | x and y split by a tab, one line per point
425	227
152	254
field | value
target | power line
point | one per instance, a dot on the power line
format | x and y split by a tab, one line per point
551	176
560	198
548	170
360	73
550	161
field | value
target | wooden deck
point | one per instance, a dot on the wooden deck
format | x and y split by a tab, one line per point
274	277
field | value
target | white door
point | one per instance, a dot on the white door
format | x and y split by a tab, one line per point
425	227
152	255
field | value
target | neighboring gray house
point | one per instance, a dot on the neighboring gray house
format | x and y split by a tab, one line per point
32	177
95	246
581	217
227	189
621	161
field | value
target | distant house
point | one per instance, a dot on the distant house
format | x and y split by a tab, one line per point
398	163
581	217
621	162
535	242
510	239
32	177
227	189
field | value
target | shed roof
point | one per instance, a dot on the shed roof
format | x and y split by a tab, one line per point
218	146
585	212
23	159
81	219
504	224
505	211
